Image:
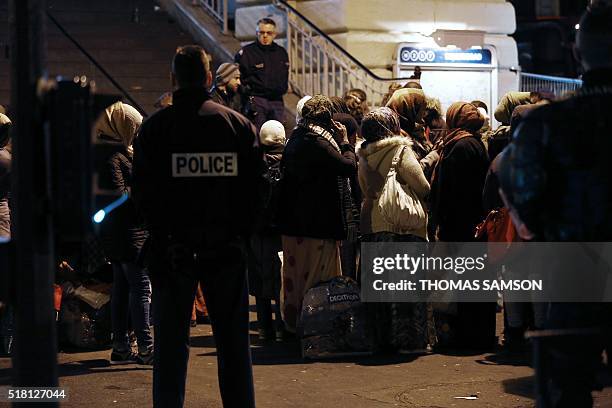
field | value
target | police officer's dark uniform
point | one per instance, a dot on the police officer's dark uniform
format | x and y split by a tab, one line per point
264	72
196	167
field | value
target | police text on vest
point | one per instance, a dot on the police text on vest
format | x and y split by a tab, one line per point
204	164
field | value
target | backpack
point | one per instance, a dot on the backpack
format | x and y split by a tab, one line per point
270	195
498	140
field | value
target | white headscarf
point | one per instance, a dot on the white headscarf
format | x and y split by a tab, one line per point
300	105
272	133
119	122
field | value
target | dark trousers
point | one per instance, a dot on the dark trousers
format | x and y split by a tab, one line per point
267	110
130	297
222	274
566	366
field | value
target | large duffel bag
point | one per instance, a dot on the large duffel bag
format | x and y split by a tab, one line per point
333	321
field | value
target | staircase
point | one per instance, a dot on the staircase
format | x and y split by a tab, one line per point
131	39
363	37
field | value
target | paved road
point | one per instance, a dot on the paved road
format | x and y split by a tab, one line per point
283	379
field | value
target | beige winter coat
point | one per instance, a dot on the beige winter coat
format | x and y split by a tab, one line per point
374	163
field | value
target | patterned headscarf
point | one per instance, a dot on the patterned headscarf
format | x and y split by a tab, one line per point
318	109
464	115
119	123
408	103
379	124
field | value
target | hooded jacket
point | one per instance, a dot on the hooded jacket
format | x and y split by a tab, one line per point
122	233
374	163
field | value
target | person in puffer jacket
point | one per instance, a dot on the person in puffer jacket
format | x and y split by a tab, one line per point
382	140
396	326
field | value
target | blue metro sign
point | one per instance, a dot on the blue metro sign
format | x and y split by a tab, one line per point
424	56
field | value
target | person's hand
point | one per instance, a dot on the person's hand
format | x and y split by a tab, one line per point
340	134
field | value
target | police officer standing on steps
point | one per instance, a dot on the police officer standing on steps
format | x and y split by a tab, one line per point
195	176
264	66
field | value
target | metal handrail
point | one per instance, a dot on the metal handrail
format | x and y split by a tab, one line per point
553	78
97	65
313	27
219	10
318	64
559	86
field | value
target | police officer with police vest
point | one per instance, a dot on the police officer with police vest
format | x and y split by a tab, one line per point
196	170
264	69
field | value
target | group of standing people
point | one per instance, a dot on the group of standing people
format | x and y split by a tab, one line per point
444	177
212	193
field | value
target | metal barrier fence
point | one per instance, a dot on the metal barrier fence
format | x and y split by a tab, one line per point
319	65
218	9
556	85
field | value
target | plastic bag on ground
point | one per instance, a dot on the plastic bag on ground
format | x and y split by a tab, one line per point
83	326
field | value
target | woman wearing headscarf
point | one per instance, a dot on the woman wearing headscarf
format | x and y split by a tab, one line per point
397	326
457	187
122	235
5	176
299	107
459	178
381	131
349	250
6	314
265	243
357	103
410	105
500	138
315	204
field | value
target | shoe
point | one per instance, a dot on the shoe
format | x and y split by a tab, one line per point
122	357
132	337
203	319
265	334
145	358
280	335
409	352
